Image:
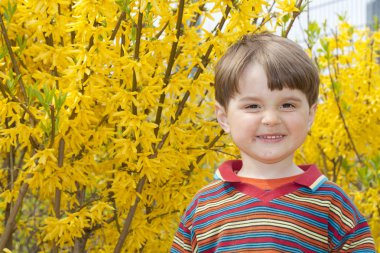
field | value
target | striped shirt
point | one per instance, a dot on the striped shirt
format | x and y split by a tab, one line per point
310	214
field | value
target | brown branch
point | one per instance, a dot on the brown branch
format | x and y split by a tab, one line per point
171	61
13	58
122	48
225	153
112	199
157	36
52	119
80	243
138	36
197	16
371	61
50	42
5	95
136	57
10	163
114	32
181	105
264	20
128	220
61	151
16	99
295	15
11	222
324	159
200	157
341	115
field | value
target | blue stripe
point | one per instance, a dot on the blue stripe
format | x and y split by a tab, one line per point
219	217
250	246
252	210
299	207
341	197
270	235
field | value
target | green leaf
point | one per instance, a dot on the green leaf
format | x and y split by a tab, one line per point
124	6
10	11
325	45
59	100
342	17
286	18
21	43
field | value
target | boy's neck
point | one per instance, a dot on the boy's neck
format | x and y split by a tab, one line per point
255	169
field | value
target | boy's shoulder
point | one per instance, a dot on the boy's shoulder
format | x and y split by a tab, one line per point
332	189
340	202
216	186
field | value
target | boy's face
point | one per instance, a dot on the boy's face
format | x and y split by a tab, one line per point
267	126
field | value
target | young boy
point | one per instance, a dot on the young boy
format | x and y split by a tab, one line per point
266	92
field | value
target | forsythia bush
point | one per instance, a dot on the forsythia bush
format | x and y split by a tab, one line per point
345	140
106	120
106	116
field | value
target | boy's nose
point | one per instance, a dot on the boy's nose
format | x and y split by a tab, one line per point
270	118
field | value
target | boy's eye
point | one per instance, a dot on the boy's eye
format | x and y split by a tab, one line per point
253	106
288	106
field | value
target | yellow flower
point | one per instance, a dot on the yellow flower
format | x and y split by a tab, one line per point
287	6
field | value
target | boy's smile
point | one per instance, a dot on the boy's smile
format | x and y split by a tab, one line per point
267	126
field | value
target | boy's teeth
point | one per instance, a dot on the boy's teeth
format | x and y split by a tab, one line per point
272	137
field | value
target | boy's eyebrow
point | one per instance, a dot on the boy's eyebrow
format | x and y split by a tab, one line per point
248	98
292	98
286	98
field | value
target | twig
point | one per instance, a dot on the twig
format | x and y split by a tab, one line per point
157	36
114	32
200	157
128	220
336	98
16	99
13	58
136	57
11	222
57	202
225	153
132	211
370	67
181	105
264	20
173	51
52	119
295	15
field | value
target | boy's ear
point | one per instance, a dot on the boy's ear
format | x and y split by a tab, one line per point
221	116
312	112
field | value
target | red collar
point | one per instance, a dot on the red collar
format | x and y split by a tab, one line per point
311	178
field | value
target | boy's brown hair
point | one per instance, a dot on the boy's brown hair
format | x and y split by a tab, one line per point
284	61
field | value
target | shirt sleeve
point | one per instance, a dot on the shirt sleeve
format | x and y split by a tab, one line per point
182	240
359	239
